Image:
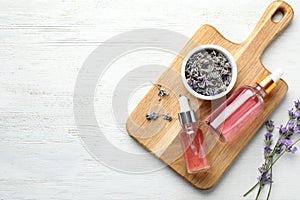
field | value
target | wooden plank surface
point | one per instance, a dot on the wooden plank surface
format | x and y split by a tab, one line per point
164	144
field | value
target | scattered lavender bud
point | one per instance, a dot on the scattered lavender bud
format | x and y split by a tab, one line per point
168	117
160	92
154	115
148	117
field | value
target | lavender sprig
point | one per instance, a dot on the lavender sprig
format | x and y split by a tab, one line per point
283	145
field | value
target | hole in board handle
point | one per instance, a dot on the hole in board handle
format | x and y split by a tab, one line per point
278	15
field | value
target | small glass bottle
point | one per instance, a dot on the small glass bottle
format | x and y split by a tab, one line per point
241	107
191	138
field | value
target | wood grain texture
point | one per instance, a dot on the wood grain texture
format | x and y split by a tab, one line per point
164	143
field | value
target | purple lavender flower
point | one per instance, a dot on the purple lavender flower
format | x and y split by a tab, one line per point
267	150
199	78
297	104
285	142
291	113
259	178
293	150
268	179
288	143
281	141
291	126
269	125
289	135
297	115
278	150
297	130
262	170
282	130
268	136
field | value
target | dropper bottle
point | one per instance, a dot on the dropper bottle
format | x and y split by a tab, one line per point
191	138
241	107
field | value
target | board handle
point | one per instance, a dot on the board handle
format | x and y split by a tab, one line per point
267	29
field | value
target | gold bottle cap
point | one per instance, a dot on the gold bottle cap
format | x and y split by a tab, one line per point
268	82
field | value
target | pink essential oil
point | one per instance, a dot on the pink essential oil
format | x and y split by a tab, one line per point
192	140
240	108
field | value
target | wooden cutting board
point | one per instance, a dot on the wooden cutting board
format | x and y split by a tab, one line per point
161	137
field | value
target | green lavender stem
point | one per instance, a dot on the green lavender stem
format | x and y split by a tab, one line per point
254	186
259	183
273	162
271	181
259	190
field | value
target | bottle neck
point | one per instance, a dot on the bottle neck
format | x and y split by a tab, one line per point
187	126
261	90
187	117
267	84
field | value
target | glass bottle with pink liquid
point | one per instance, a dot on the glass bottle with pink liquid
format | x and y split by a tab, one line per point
242	106
191	138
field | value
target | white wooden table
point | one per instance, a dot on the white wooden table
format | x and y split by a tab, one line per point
43	45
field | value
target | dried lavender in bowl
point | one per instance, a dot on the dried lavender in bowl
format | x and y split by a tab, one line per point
208	72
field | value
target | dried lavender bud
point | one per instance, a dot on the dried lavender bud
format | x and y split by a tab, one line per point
154	115
208	72
168	117
160	92
148	117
